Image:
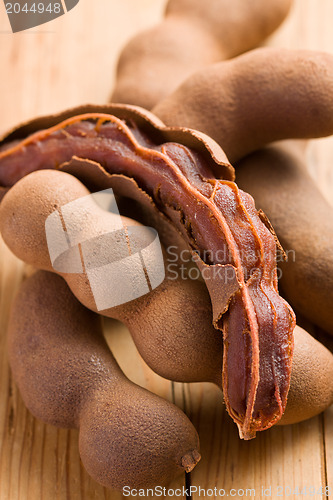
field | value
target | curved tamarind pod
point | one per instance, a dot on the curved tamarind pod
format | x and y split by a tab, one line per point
277	178
192	34
233	248
257	98
68	377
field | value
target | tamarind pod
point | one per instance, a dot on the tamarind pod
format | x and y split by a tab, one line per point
212	215
174	335
191	352
302	218
172	331
191	35
68	377
263	96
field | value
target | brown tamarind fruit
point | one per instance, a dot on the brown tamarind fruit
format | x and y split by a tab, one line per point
171	326
173	331
68	377
158	324
192	34
259	97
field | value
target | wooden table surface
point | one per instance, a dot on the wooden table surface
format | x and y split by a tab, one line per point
70	61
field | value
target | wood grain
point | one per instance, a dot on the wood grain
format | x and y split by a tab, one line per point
68	62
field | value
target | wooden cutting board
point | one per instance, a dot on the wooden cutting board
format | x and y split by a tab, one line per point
71	61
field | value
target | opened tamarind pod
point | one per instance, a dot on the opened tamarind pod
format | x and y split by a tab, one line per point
303	220
257	98
174	335
192	352
68	377
233	248
191	35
